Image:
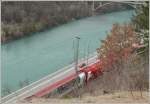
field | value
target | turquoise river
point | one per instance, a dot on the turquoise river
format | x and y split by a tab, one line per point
33	57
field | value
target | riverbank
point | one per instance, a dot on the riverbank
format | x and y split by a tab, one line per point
21	19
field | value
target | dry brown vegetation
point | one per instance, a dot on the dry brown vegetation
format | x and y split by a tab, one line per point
20	18
119	98
124	69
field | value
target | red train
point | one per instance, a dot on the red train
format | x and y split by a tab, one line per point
86	73
91	71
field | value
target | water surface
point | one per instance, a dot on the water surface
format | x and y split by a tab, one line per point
36	56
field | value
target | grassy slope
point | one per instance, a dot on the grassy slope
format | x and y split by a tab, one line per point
119	97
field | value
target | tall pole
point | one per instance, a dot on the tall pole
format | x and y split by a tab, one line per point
88	51
77	54
76	60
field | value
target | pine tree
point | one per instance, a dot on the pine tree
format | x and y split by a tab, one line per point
141	24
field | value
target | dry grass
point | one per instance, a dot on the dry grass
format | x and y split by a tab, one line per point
119	97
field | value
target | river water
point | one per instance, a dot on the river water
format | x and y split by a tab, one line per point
31	58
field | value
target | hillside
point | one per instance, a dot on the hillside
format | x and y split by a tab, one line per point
119	98
21	18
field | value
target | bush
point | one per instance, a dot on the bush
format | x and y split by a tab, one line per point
124	68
